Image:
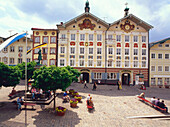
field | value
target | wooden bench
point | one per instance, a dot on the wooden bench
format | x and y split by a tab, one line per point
154	106
29	104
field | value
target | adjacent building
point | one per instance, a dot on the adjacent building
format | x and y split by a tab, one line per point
16	52
160	63
105	51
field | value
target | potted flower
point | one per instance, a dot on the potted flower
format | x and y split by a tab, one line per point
73	103
60	111
78	97
71	91
75	93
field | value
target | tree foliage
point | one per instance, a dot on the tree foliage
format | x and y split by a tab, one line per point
74	73
9	75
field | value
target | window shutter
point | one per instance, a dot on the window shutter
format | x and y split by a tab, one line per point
92	75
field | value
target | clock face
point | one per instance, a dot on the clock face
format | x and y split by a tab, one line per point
127	27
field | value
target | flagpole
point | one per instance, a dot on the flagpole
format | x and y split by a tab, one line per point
26	82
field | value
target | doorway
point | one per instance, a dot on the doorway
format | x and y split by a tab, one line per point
125	79
85	76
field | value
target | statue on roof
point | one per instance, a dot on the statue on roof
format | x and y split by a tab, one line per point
87	8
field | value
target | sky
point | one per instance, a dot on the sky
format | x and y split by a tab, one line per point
22	15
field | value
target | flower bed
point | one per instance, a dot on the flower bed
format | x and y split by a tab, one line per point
60	111
78	97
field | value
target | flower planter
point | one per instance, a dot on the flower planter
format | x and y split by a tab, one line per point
78	97
167	87
73	105
60	113
79	100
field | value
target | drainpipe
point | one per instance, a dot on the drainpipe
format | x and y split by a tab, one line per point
148	61
106	52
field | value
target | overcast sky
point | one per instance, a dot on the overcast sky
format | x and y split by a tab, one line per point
22	15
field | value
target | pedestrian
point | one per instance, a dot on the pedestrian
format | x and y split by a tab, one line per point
162	105
19	102
85	84
94	86
118	85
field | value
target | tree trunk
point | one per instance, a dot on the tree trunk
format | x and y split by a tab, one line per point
54	99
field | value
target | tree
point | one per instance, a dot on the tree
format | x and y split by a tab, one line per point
30	69
52	78
9	75
74	73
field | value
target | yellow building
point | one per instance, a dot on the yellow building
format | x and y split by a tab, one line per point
103	51
160	63
49	52
16	52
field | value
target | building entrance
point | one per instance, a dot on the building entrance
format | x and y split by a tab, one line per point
125	79
85	76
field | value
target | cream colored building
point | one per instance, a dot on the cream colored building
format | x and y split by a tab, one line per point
16	52
160	63
49	52
105	51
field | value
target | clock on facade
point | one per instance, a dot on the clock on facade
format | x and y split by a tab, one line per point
127	27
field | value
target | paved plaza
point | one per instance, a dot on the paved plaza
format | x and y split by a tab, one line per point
112	109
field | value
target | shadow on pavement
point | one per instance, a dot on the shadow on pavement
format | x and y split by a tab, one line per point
50	119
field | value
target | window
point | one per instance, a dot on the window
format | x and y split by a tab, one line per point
135	64
72	50
62	49
99	37
37	39
52	51
126	38
159	56
166	82
152	81
44	62
90	37
97	75
36	50
159	81
72	62
166	45
143	38
52	62
5	49
135	52
118	37
126	63
160	45
45	50
143	63
159	68
20	49
99	50
126	51
81	62
110	50
152	68
63	36
118	51
81	50
90	62
143	51
11	60
118	63
110	37
111	75
28	60
73	37
153	56
28	48
99	63
5	60
45	39
62	61
12	49
166	68
90	50
109	63
19	60
53	39
166	56
135	38
82	37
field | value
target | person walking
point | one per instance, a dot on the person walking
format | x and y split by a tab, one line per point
85	84
94	86
118	85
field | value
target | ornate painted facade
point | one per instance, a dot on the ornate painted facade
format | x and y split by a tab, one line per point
16	52
160	63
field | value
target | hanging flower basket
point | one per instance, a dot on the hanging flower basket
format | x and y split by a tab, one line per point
60	111
78	97
73	103
71	91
